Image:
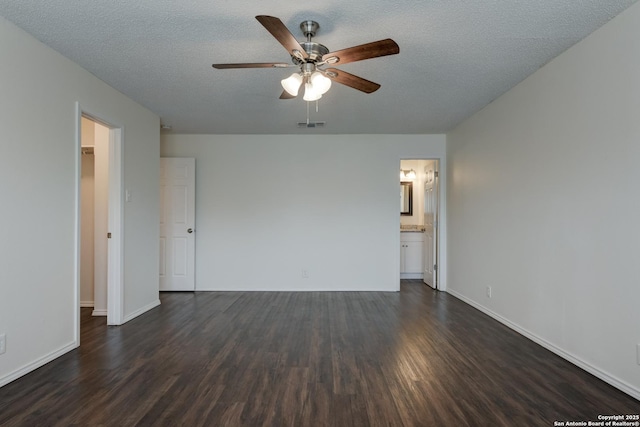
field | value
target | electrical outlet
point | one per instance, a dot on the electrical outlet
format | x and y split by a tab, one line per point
488	291
305	274
3	343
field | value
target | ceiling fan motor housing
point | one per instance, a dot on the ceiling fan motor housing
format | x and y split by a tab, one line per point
315	51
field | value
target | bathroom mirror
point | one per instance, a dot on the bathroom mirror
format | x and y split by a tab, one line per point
406	198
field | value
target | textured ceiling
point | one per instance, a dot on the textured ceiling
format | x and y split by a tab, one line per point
455	57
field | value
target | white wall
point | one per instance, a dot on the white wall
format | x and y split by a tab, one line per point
543	204
268	207
39	159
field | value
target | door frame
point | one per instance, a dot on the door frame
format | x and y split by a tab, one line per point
441	242
115	260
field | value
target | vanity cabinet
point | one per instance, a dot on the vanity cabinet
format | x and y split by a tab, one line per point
411	259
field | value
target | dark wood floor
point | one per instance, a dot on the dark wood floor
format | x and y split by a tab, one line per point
413	358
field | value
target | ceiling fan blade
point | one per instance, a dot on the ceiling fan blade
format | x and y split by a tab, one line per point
363	51
253	65
282	34
287	95
350	80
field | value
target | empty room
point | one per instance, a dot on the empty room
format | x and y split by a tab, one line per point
369	213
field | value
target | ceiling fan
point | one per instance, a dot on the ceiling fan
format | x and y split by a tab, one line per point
312	58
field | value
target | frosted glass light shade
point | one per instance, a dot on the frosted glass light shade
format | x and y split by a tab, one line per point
320	82
310	93
407	175
292	84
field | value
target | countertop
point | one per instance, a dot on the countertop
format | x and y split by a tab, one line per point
412	228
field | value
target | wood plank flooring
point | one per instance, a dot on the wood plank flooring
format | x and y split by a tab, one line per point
413	358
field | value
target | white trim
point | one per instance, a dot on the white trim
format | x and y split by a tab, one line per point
86	303
77	226
442	225
12	376
397	250
99	312
141	310
593	370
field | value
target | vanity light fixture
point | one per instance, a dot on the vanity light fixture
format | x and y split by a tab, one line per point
409	175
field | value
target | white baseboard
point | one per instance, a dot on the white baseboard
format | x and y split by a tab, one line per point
100	312
593	370
12	376
141	310
86	303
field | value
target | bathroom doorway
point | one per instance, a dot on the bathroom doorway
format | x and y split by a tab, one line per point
419	228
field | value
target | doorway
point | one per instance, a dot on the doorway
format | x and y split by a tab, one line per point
419	228
94	228
99	218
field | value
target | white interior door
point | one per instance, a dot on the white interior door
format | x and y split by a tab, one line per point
430	226
101	141
177	224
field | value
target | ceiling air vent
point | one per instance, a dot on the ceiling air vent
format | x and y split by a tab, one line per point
311	124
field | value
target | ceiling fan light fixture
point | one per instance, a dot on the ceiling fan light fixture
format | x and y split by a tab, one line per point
320	83
311	93
292	84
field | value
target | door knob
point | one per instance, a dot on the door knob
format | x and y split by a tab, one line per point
189	230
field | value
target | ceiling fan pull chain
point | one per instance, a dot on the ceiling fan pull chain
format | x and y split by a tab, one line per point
307	113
